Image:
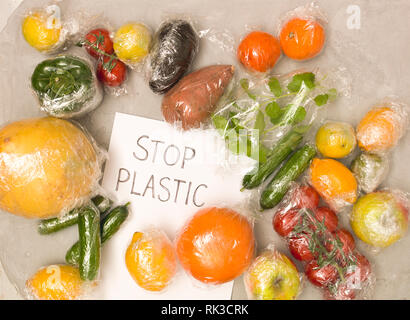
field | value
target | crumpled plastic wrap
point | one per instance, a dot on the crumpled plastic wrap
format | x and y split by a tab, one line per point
383	126
272	276
380	218
216	245
175	46
151	260
328	253
66	86
47	167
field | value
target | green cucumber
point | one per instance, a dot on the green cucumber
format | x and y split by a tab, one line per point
110	224
90	242
279	153
290	171
52	225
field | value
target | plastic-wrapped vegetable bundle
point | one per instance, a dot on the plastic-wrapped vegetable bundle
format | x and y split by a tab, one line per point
216	245
47	167
272	276
66	86
175	47
328	252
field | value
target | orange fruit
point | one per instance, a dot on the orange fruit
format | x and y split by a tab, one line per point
216	245
56	282
150	259
380	129
334	182
46	165
302	39
259	51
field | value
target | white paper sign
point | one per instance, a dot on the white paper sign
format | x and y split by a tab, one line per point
167	175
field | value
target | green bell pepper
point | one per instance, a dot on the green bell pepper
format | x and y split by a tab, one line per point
66	86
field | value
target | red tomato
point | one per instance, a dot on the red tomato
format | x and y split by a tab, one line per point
360	272
320	277
306	197
328	216
299	247
343	292
98	38
348	243
284	221
114	77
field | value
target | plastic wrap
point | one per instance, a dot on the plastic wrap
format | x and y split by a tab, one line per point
335	139
328	252
132	43
272	276
193	99
175	47
302	34
370	170
56	282
335	183
47	167
382	127
66	86
151	260
265	109
44	30
216	245
381	218
259	51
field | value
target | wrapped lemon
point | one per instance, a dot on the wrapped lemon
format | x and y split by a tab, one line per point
55	282
335	139
43	31
47	166
132	43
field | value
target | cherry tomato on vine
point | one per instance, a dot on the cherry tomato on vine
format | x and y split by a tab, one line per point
306	197
299	247
328	216
342	292
321	276
347	241
98	39
360	271
284	221
111	72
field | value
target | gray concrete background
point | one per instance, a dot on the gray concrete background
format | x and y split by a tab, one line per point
375	59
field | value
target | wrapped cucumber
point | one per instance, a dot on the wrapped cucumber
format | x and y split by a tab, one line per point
66	86
370	170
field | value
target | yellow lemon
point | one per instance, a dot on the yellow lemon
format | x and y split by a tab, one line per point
39	34
379	219
151	260
335	139
46	165
56	282
132	42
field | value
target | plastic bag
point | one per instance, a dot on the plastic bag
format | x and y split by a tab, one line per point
48	166
328	252
381	218
272	276
176	44
216	245
382	127
151	260
66	86
193	99
301	32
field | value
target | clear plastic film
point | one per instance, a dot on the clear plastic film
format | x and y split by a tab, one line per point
175	46
194	98
382	126
66	86
151	260
48	167
302	33
327	251
381	218
216	245
272	276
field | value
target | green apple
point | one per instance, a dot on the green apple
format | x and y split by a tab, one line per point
272	276
379	218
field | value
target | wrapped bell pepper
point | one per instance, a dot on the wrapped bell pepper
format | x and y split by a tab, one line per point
66	87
